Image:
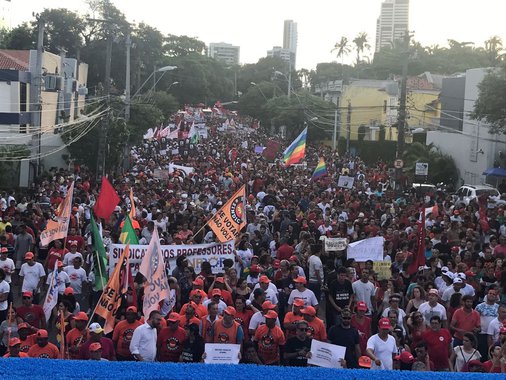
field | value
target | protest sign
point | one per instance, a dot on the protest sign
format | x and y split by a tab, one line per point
326	355
367	249
215	253
345	181
335	244
219	353
160	174
382	269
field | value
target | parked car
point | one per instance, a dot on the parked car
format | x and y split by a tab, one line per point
470	192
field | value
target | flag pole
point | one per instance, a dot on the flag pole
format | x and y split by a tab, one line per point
62	334
9	321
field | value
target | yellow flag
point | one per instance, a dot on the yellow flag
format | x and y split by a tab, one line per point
58	228
231	218
132	205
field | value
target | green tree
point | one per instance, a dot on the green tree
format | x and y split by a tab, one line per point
21	37
361	44
177	46
494	50
491	103
342	48
63	29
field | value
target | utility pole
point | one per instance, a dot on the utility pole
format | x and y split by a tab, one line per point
36	83
401	118
290	77
128	44
334	137
348	125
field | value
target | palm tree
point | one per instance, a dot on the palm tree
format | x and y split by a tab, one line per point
493	49
343	48
361	44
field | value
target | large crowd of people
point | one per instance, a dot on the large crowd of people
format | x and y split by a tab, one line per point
282	289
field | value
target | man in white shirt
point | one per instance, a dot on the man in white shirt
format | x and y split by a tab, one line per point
143	343
271	292
495	325
5	288
62	278
381	347
77	276
7	264
69	257
32	273
258	318
365	291
433	308
303	293
315	279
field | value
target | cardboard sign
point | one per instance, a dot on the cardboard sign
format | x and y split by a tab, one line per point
367	249
335	244
382	269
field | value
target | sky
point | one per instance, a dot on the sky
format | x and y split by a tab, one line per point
257	26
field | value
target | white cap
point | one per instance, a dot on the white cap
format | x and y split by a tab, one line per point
457	280
444	269
96	328
461	275
361	215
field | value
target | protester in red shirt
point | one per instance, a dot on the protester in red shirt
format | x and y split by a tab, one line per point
123	332
96	336
464	320
439	345
31	313
269	338
169	343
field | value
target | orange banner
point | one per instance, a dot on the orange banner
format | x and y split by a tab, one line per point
58	228
231	218
110	301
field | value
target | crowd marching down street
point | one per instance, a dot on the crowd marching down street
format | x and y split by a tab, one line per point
217	237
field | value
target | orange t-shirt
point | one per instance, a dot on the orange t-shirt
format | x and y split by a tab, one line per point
317	330
26	344
465	321
49	351
201	310
21	355
207	328
122	336
290	317
222	334
75	338
269	341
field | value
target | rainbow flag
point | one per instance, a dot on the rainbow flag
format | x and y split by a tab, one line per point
320	171
297	149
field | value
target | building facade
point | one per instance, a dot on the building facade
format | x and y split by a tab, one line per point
290	40
224	52
392	23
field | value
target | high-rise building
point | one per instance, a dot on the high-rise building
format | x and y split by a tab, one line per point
227	53
392	23
285	54
5	14
290	40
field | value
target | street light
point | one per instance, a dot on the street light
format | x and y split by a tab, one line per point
172	84
289	78
160	70
259	89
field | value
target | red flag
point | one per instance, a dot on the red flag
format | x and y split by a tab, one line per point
482	201
419	256
271	150
107	200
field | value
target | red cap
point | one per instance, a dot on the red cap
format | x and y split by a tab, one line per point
384	324
27	294
81	316
95	347
194	321
268	305
254	269
23	325
173	317
29	255
310	310
42	333
131	309
264	279
365	362
68	291
299	302
300	280
294	258
14	341
405	357
276	264
271	314
230	311
4	250
198	282
455	248
216	292
60	263
221	280
361	306
469	273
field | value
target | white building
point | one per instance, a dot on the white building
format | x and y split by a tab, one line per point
474	149
290	39
392	23
224	52
5	14
285	54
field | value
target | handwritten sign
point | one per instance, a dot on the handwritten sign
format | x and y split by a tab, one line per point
217	353
345	181
326	355
335	244
367	249
382	269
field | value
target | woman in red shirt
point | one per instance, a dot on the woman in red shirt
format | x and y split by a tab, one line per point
363	324
243	315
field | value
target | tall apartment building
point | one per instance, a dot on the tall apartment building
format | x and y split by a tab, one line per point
224	52
392	23
290	40
5	14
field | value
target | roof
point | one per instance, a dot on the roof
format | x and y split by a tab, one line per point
14	59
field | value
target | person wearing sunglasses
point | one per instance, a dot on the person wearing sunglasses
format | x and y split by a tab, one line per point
298	347
344	334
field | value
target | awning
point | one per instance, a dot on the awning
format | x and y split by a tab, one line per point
495	172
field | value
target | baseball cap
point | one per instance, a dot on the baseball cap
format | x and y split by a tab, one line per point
310	310
131	309
457	280
461	275
254	269
361	306
455	248
23	325
221	280
405	357
173	317
81	316
14	341
469	273
268	305
434	291
68	291
230	310
4	250
96	328
444	269
27	294
60	263
216	292
198	282
361	215
42	333
95	347
271	314
364	362
73	243
384	324
29	255
300	280
294	258
298	302
264	279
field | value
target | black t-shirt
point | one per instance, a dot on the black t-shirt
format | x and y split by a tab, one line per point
294	344
192	352
341	293
347	338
